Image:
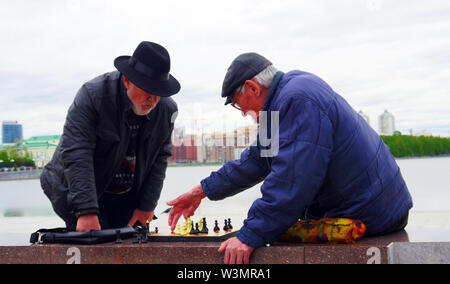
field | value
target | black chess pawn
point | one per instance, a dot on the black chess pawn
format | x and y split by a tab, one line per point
118	239
196	231
225	228
192	231
156	230
147	229
204	228
229	225
216	227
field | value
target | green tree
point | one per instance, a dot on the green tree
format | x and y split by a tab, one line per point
411	146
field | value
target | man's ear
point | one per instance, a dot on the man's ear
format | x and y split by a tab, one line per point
253	87
126	82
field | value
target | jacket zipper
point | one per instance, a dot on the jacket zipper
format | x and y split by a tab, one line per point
119	157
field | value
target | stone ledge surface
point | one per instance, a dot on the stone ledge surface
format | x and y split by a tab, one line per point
419	253
369	250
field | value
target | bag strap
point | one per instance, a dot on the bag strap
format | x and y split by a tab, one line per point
40	236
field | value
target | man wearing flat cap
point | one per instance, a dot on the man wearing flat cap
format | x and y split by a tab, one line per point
109	167
326	160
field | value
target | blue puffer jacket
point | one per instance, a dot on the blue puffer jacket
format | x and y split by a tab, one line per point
329	163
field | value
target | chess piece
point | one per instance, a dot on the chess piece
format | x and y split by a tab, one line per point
147	229
204	229
216	227
225	228
230	228
156	230
192	232
200	224
118	239
185	229
196	231
148	226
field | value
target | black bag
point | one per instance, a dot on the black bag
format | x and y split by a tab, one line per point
92	237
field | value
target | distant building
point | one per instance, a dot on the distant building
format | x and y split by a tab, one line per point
218	147
365	116
386	123
211	147
423	133
11	132
184	149
41	147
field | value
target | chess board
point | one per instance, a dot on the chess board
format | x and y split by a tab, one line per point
211	237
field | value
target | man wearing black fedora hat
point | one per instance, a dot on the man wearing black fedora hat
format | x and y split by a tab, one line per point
109	167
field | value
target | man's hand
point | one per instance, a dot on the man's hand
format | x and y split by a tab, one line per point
88	222
141	216
185	204
236	252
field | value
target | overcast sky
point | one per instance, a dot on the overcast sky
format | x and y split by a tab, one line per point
377	54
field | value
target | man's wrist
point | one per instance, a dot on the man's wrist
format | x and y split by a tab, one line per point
86	212
198	190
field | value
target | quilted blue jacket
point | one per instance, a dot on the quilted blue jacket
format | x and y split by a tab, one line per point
328	163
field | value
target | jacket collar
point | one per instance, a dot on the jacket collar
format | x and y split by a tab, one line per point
273	87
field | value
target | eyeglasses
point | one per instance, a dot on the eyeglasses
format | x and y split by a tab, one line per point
234	103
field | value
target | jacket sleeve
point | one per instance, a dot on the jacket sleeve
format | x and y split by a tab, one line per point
297	173
236	176
78	145
153	184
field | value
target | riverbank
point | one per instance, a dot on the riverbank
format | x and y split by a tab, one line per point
423	157
20	175
35	174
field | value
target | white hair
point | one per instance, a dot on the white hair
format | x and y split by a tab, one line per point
265	78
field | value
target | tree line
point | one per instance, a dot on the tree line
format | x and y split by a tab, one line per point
10	157
400	146
416	146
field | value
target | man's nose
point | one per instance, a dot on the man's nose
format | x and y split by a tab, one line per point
152	98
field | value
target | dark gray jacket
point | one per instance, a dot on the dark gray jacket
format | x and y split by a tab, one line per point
94	143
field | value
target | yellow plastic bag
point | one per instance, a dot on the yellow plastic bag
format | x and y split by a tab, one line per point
327	230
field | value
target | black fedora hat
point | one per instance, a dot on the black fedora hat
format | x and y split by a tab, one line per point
148	69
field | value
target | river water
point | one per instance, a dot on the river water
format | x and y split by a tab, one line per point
427	179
